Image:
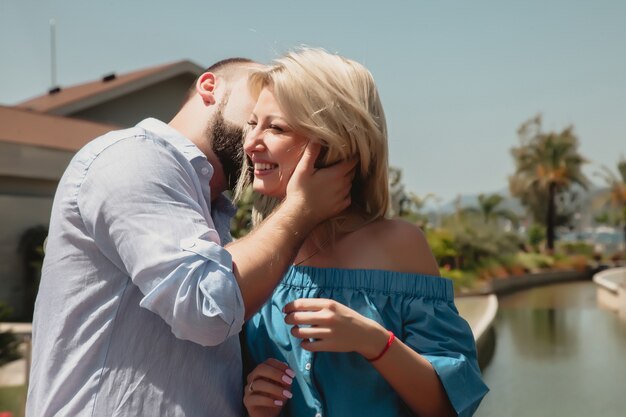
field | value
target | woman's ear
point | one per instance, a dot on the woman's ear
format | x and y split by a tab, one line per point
205	87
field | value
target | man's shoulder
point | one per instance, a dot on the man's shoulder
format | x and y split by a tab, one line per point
128	156
135	144
98	145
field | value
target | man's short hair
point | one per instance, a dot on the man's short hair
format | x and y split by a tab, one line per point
227	69
227	66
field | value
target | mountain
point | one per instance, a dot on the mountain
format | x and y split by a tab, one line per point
471	200
589	202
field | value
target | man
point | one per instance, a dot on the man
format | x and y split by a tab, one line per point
139	306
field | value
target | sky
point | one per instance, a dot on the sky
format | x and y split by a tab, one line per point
457	78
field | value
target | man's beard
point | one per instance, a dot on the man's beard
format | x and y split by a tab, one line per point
227	143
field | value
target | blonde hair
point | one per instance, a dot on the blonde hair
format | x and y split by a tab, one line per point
334	101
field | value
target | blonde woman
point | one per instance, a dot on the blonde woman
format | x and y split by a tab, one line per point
361	324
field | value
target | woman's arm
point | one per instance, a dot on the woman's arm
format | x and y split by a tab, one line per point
409	373
392	245
337	328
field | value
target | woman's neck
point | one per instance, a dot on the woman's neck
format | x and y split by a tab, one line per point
319	244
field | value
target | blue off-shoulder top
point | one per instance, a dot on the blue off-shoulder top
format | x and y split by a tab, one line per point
419	309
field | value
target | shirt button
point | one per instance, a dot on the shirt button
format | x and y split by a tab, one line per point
205	171
308	368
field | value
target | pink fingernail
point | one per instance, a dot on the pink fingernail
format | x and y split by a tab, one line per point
278	402
287	394
290	373
287	380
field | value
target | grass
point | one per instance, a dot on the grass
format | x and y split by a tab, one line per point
12	399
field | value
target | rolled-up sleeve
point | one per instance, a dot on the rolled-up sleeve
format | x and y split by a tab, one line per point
434	329
141	202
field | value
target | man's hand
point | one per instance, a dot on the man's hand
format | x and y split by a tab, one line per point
313	195
318	194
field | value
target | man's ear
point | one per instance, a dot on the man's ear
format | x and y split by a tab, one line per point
205	87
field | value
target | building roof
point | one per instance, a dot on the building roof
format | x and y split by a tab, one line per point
47	131
73	99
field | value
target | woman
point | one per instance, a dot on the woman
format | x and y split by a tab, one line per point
361	324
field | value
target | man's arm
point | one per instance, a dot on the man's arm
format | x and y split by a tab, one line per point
139	204
261	258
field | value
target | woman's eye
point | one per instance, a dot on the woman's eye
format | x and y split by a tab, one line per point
251	123
276	128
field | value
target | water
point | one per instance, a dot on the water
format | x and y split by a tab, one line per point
556	354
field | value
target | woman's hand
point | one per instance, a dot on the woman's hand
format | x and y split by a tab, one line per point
268	388
334	327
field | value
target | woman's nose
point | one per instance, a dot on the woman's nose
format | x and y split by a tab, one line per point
253	140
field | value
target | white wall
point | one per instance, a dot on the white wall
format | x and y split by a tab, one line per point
28	179
32	162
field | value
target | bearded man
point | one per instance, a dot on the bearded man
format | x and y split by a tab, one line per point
140	303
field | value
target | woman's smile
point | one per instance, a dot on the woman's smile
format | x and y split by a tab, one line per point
273	147
264	168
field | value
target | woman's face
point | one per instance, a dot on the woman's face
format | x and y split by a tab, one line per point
272	146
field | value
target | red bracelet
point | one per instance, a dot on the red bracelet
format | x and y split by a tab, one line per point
386	348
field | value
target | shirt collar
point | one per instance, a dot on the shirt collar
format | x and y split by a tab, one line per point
191	152
180	142
225	205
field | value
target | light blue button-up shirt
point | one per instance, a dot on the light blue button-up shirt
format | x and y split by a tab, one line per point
138	309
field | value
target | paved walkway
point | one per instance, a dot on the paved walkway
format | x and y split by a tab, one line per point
14	373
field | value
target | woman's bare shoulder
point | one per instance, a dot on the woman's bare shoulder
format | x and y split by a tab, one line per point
395	245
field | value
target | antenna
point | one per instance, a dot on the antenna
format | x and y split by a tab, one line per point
53	57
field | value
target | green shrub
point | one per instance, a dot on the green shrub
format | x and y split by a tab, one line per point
461	279
442	245
576	248
241	223
8	342
534	262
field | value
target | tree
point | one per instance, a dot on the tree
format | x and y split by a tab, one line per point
488	208
616	193
547	163
405	204
535	200
397	193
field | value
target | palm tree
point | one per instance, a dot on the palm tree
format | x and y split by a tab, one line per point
489	210
616	194
407	205
549	163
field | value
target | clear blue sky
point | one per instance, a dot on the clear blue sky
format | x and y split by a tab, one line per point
457	78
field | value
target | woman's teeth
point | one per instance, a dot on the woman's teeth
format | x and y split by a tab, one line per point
261	166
